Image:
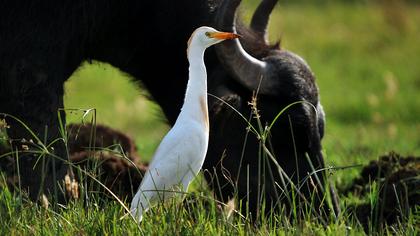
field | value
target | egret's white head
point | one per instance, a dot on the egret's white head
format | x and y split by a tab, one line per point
206	36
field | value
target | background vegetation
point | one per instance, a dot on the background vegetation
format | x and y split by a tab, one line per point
366	56
366	59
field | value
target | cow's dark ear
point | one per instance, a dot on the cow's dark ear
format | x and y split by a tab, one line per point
225	106
225	111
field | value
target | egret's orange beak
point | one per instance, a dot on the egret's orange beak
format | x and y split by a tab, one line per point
224	35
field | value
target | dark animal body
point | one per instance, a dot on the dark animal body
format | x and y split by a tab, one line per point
43	42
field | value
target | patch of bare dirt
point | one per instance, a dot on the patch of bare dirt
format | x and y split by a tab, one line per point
398	189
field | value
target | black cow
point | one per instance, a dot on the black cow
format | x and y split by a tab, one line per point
43	42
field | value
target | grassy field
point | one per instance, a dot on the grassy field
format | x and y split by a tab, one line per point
367	61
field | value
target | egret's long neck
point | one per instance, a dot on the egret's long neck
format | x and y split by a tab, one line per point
195	102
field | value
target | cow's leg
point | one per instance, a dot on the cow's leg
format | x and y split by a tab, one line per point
31	98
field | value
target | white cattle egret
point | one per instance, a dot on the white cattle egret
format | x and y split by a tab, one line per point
180	155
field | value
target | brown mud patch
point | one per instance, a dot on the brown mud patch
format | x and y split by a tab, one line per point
97	153
396	191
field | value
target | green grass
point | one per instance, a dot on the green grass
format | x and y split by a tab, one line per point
367	61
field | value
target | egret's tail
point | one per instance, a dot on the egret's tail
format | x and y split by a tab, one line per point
137	212
139	205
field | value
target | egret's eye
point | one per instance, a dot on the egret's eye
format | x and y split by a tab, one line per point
207	34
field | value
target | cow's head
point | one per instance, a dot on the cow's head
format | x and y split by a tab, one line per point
278	78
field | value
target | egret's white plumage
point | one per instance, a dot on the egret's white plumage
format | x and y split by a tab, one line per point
181	153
